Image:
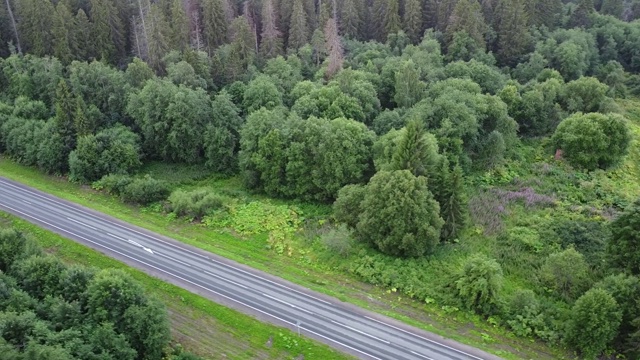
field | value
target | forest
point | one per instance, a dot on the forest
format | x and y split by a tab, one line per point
53	311
477	155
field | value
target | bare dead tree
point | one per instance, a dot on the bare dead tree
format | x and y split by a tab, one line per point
15	28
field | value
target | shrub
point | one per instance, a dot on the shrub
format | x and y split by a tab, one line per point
112	184
338	240
478	284
145	191
593	140
347	207
595	319
566	273
623	248
195	204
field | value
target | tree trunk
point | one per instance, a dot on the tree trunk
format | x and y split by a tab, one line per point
15	28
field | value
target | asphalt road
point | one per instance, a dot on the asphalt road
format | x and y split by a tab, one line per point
343	326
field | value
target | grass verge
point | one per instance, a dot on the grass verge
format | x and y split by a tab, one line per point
200	325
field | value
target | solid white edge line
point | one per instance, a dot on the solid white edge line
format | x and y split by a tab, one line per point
360	331
162	241
424	338
193	283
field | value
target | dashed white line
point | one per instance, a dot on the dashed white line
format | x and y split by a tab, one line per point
225	279
174	259
81	223
422	356
288	304
359	331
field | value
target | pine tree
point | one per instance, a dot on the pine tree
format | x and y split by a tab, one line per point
107	31
62	32
467	17
298	29
65	108
214	22
453	206
413	20
510	24
581	15
83	46
612	7
179	26
411	151
271	45
334	48
544	12
350	18
391	18
83	124
35	25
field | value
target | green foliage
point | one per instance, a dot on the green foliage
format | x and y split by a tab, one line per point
348	205
586	95
195	204
595	319
593	140
261	92
144	191
565	273
478	284
622	249
399	215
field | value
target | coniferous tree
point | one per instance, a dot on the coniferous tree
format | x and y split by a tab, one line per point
158	33
413	20
391	18
350	20
179	26
445	9
83	46
430	14
14	26
413	153
62	33
214	22
65	108
107	33
377	20
35	25
544	12
271	45
612	7
243	45
510	24
318	42
453	204
581	14
83	124
467	17
333	47
298	29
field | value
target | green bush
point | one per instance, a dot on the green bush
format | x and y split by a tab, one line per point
566	273
112	184
145	191
478	284
338	240
592	141
195	204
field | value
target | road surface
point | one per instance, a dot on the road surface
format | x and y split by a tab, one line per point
346	327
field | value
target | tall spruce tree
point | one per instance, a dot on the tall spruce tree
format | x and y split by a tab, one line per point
158	34
298	27
612	7
83	45
581	15
429	14
64	124
391	18
510	24
62	32
412	151
544	12
35	25
84	124
179	21
453	204
376	21
271	44
350	20
214	22
413	20
107	35
467	17
243	51
445	9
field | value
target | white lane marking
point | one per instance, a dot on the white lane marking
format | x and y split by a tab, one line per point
117	237
359	331
195	284
162	241
27	202
225	279
424	338
133	243
174	259
148	250
81	223
422	356
288	304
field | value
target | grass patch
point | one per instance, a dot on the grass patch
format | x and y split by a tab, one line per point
202	326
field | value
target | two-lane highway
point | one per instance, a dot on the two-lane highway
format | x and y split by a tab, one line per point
357	331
